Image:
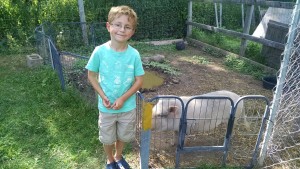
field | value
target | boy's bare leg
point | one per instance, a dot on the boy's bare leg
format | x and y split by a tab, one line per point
109	153
119	150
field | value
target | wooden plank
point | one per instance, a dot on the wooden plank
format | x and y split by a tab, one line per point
238	34
263	3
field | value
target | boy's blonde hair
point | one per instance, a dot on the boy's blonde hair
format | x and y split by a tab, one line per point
117	11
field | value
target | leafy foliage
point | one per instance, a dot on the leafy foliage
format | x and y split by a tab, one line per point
231	44
164	67
218	40
205	13
157	19
16	29
244	66
253	52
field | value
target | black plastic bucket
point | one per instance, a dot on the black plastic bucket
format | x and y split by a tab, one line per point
269	82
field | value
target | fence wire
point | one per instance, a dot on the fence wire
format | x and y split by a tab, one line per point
284	145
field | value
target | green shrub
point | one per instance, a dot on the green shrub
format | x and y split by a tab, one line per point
243	66
253	52
218	40
164	67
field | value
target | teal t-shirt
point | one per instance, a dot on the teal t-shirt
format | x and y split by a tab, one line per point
117	72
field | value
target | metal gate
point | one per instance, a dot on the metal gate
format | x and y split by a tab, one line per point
205	124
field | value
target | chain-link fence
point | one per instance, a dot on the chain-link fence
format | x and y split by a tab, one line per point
282	142
69	65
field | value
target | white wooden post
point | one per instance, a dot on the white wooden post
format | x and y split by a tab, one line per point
243	15
221	13
216	15
246	29
190	16
83	21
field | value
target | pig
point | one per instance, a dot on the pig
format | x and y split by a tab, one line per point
202	114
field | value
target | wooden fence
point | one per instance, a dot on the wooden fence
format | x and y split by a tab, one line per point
244	36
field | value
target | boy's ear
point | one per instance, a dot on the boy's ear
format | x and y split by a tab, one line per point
108	26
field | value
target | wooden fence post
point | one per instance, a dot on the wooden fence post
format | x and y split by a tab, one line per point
246	29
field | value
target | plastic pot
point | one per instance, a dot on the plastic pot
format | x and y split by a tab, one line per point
269	82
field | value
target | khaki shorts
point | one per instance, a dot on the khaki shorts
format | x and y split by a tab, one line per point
117	126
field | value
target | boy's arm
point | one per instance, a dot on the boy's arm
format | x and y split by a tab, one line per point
134	88
93	78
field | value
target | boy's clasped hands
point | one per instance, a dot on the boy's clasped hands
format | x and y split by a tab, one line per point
116	105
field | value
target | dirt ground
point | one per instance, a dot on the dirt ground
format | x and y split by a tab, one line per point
196	79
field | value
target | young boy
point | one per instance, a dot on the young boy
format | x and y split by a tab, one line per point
115	71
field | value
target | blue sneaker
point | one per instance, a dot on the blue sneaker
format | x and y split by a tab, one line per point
112	165
122	164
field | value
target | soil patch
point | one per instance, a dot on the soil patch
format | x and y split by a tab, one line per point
196	78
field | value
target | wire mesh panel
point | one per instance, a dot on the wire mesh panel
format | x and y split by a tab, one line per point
206	130
197	125
75	74
139	113
56	64
205	139
42	44
166	115
284	144
245	139
284	149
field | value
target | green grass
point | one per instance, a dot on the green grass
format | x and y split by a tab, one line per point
229	43
232	44
150	49
41	126
219	40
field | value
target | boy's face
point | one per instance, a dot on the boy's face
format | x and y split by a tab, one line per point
120	29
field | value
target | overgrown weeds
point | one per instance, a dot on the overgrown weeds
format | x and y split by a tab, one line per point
163	67
244	67
228	43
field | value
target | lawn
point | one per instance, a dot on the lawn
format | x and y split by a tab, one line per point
41	126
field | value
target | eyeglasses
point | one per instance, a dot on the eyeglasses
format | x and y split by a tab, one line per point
120	26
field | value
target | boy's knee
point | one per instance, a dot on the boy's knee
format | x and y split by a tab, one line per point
127	138
107	140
